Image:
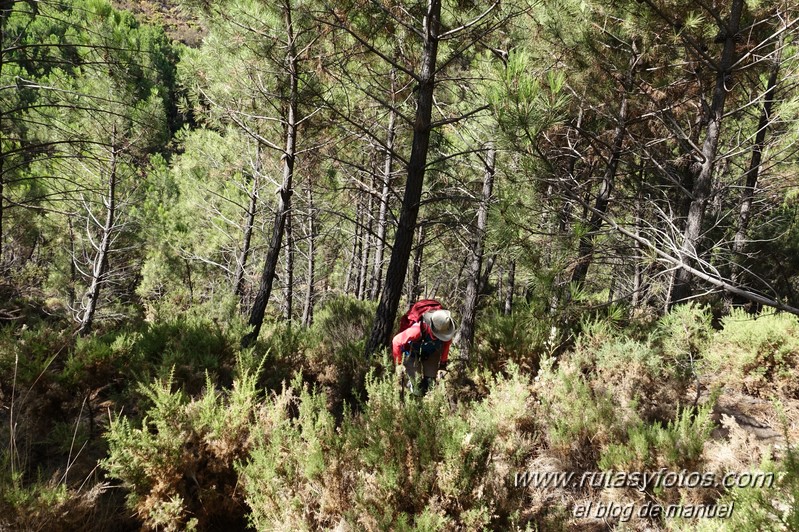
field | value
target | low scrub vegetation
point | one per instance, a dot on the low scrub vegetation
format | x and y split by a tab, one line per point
172	426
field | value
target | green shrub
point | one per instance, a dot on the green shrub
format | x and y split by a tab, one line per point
49	504
757	355
290	474
605	397
579	420
676	446
342	321
426	456
414	464
179	466
682	335
519	337
26	354
337	341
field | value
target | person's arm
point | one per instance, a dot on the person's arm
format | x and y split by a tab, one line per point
442	364
411	334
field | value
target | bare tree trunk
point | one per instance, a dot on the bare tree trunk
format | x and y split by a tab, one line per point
466	334
752	175
382	220
5	11
483	289
288	286
415	285
366	245
73	270
307	311
241	264
400	254
510	288
704	181
101	258
638	255
284	202
354	268
500	274
2	184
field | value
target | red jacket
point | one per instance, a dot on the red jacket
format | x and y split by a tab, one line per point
410	339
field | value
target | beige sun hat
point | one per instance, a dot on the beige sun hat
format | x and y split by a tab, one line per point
441	324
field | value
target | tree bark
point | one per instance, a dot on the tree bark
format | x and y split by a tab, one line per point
400	254
354	253
288	286
500	274
466	336
101	258
284	201
307	311
638	256
382	219
510	288
415	288
4	13
73	270
241	264
366	245
484	278
681	290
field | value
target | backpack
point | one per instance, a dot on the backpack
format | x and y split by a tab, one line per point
414	314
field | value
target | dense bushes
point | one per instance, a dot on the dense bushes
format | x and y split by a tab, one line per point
391	465
301	432
759	356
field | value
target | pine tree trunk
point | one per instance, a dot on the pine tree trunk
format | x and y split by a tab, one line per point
354	268
400	254
366	244
101	258
2	188
415	288
500	275
241	264
485	277
510	288
382	220
702	186
307	311
354	251
4	13
73	270
285	192
288	286
638	256
466	333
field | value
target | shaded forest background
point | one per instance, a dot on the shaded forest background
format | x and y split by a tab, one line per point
213	213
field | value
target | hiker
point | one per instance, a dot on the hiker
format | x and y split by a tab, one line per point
424	340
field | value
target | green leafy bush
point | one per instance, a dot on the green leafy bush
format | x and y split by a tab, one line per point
50	504
771	503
